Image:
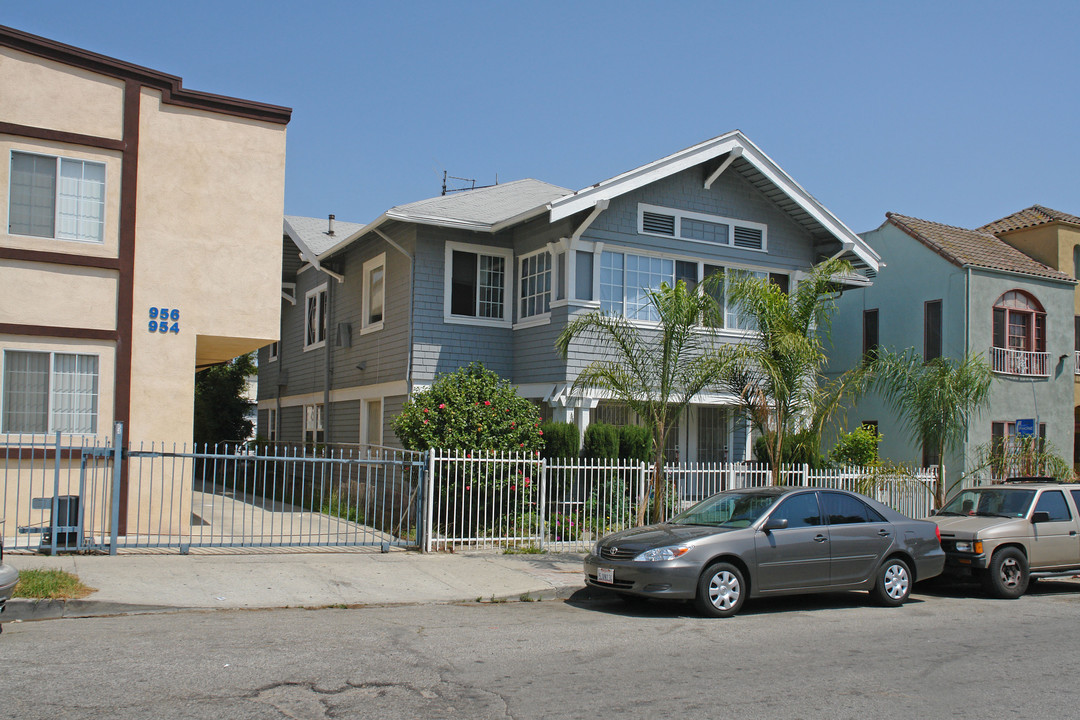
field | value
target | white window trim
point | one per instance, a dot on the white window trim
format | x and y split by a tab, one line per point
320	419
508	293
538	318
56	199
52	369
272	351
680	214
271	424
314	291
366	326
364	424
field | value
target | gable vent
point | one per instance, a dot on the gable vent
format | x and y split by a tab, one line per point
657	223
747	237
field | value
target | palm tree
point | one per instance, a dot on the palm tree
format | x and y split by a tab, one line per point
778	375
653	371
934	399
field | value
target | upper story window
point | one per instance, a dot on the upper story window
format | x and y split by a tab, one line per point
315	318
931	330
56	197
374	293
477	279
1019	335
535	293
698	227
870	341
272	352
46	392
626	279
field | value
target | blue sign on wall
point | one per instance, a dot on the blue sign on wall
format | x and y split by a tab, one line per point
1025	427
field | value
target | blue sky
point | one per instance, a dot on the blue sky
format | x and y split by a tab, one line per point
958	112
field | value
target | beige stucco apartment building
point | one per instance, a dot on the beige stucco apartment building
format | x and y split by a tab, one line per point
141	241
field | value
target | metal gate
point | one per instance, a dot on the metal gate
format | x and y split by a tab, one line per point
64	497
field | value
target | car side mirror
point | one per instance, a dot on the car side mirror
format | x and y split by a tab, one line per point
1040	516
775	524
933	512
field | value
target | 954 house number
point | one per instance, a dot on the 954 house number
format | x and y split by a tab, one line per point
164	320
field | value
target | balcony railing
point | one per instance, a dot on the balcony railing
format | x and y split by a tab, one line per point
1020	362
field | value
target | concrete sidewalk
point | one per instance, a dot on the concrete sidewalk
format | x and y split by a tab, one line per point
140	583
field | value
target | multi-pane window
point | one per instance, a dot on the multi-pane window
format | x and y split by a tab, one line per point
535	294
478	284
272	352
699	227
644	273
1019	322
47	392
313	424
315	318
374	292
56	197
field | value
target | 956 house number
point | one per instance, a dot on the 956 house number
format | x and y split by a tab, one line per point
164	320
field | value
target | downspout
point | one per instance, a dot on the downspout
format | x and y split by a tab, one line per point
326	374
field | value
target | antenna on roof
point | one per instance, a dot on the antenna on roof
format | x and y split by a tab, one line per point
445	177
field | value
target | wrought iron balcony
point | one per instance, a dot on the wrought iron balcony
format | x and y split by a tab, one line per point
1020	362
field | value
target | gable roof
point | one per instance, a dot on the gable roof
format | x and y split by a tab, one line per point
1029	217
747	159
963	247
311	236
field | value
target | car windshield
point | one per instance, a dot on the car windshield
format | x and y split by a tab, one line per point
728	509
991	502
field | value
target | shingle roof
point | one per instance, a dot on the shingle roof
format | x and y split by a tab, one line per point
1030	217
482	208
961	247
312	231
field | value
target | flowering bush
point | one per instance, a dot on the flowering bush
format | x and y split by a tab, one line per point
471	408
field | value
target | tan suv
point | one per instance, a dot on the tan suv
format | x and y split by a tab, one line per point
1005	535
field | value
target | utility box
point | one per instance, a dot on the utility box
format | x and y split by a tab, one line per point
65	522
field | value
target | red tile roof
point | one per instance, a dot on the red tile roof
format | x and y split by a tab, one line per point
961	247
1030	217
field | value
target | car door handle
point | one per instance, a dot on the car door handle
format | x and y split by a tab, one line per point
1072	532
884	533
820	538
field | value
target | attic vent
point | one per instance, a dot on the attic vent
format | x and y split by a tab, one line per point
870	273
749	238
657	223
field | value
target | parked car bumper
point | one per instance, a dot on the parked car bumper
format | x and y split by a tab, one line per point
672	579
8	577
963	563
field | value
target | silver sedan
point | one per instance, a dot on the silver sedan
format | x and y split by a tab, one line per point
770	541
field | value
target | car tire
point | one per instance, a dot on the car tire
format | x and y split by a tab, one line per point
893	586
721	590
1007	575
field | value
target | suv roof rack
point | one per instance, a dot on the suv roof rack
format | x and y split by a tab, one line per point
1017	480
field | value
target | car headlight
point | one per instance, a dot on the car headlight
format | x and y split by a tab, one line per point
664	553
969	546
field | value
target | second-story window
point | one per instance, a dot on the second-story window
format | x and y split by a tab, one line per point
1019	335
374	293
477	281
315	318
55	197
535	293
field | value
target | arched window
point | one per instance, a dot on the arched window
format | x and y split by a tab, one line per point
1019	322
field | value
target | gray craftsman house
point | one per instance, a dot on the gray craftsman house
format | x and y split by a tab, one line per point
372	313
947	290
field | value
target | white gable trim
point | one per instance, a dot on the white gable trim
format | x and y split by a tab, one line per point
684	159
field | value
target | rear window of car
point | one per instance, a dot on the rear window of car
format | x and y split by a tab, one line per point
843	509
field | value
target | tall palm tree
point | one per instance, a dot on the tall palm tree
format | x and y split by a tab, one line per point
935	399
778	375
654	371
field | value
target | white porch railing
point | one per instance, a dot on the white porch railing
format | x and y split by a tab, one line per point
1019	362
490	500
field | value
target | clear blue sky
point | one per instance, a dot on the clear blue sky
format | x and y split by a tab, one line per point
958	112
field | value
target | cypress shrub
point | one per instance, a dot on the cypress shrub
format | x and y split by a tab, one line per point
561	440
601	441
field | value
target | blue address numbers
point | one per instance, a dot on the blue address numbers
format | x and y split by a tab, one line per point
164	320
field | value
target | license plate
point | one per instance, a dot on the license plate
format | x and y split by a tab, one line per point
605	575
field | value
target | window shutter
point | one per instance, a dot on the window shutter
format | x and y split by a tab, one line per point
749	238
657	223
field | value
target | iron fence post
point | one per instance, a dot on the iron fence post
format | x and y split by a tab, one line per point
543	503
55	515
114	524
427	530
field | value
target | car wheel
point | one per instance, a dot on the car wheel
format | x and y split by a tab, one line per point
1007	575
721	590
893	586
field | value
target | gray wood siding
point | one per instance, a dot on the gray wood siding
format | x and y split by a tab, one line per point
344	422
790	247
291	424
391	409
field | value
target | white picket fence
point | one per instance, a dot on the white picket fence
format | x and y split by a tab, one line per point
489	500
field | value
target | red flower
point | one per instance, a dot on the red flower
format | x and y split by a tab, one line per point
513	487
522	444
528	482
487	402
468	487
541	432
425	421
425	409
442	406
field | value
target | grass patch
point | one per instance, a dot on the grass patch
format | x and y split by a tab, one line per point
524	550
42	584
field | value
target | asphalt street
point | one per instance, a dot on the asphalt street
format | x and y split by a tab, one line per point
592	656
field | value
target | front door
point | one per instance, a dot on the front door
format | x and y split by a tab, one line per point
796	557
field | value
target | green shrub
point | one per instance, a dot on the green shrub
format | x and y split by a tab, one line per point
471	408
601	441
635	443
799	449
858	447
561	440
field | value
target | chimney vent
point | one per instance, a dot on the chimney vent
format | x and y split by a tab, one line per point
330	231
